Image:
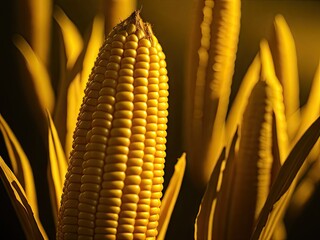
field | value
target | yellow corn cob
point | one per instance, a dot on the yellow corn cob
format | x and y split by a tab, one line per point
253	164
114	181
236	111
268	73
209	84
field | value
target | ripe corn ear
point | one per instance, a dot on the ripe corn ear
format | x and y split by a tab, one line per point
114	181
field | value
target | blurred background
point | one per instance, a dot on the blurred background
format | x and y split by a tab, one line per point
171	21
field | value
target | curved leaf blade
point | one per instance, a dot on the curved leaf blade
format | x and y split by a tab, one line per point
170	197
58	166
20	164
30	222
73	42
283	183
39	75
203	225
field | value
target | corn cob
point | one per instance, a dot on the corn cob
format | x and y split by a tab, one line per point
253	164
238	105
114	181
209	82
268	73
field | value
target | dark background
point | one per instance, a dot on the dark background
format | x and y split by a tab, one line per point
171	22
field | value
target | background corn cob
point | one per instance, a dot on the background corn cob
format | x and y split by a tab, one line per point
237	108
114	181
210	71
268	73
253	164
166	22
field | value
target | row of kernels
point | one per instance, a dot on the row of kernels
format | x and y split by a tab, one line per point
115	162
132	180
69	209
143	208
98	135
157	186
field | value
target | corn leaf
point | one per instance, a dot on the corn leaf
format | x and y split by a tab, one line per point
57	167
73	46
221	215
283	183
20	164
204	220
312	108
41	12
170	197
311	111
30	222
41	83
304	190
276	164
72	38
285	59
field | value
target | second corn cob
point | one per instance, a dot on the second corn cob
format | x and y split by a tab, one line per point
209	74
253	164
114	181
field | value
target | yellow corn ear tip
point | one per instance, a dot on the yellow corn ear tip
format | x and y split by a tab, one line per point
114	181
135	23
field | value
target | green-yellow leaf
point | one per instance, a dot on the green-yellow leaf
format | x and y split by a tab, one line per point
29	221
170	197
20	164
